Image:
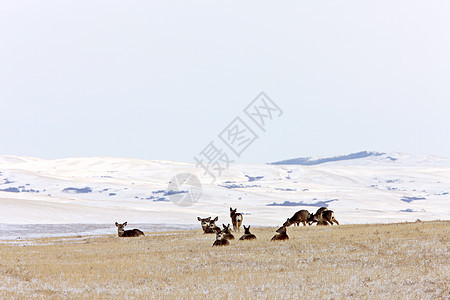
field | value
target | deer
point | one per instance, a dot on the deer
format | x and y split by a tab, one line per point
236	219
281	234
220	240
247	235
325	217
205	224
315	217
128	233
212	225
302	216
226	232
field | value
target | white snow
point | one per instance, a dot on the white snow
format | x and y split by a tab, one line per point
392	187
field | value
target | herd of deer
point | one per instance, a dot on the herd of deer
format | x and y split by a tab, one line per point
323	216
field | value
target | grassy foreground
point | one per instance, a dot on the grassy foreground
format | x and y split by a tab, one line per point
394	261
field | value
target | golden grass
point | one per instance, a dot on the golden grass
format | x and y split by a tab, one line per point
389	261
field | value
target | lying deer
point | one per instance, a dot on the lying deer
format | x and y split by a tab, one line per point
247	235
127	233
325	217
220	240
236	219
302	216
282	235
206	222
212	225
226	232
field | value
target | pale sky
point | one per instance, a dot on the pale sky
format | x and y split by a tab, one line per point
161	80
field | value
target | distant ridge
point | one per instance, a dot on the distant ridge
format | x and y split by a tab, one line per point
309	161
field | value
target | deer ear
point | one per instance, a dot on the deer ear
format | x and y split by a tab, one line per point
231	209
117	224
198	218
216	218
125	224
208	219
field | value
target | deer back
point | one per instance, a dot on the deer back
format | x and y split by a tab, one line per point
247	235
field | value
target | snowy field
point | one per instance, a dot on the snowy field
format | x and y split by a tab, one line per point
85	196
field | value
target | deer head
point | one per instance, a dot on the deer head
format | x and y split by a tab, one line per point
121	226
282	230
232	212
212	223
204	222
287	223
226	229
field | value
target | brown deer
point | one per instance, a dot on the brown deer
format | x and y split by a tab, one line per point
226	232
281	235
247	235
302	216
220	240
205	222
236	219
127	233
325	217
315	217
212	225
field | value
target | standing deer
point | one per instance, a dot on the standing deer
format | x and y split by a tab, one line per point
220	240
236	219
315	217
127	233
325	217
281	235
302	216
247	235
320	210
226	232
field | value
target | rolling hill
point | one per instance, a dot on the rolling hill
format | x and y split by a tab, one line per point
366	187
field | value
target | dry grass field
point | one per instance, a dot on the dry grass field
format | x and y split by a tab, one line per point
390	261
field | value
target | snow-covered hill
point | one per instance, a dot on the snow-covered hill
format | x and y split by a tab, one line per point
388	187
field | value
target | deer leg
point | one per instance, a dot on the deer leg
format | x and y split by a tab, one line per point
335	221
